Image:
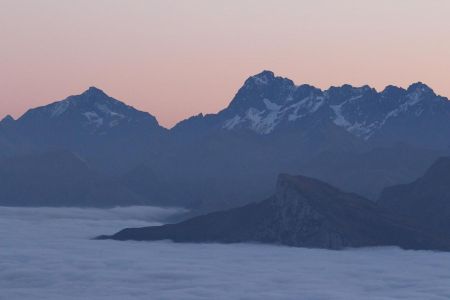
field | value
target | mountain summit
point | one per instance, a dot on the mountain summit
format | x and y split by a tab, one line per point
267	104
93	111
103	130
7	120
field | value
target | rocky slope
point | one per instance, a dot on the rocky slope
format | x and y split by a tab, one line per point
304	212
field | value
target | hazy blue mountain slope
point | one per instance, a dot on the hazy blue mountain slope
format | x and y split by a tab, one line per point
59	179
426	200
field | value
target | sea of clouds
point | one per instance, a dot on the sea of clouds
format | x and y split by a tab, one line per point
47	253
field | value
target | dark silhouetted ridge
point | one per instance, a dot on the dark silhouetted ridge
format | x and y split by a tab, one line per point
304	212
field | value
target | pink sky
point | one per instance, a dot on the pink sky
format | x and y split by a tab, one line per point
179	58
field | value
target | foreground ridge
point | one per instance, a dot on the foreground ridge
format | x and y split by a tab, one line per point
304	212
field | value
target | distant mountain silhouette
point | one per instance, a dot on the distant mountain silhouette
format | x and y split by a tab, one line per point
425	200
356	138
304	213
367	173
59	178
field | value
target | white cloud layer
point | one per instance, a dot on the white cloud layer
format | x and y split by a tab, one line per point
46	253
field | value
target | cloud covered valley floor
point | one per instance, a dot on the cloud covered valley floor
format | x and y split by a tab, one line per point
46	253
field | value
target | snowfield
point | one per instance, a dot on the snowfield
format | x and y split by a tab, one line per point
47	253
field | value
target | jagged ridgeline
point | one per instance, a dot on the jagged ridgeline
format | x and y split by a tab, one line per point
356	138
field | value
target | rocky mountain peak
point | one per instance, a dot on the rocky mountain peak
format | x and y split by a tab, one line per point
392	91
92	111
267	102
419	91
94	90
7	120
265	77
420	87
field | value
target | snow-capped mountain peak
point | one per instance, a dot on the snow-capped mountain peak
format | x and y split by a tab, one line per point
93	110
420	88
92	90
267	102
263	78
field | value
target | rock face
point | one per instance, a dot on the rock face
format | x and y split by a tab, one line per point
303	212
426	200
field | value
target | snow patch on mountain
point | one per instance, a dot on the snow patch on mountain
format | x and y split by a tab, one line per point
60	108
339	119
270	105
260	121
231	123
266	120
414	99
106	110
93	118
303	107
263	78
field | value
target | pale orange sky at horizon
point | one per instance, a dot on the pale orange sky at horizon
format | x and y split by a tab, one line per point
175	59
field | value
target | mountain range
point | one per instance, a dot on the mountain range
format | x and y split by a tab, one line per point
267	104
355	138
